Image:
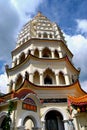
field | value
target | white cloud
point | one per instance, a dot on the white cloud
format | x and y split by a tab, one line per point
82	25
13	16
24	8
9	21
78	45
3	83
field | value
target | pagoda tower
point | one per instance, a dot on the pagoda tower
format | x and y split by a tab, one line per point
42	53
41	78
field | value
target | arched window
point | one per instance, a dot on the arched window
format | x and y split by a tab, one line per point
47	80
56	54
61	78
22	57
23	40
39	34
46	52
45	35
36	53
36	78
29	52
50	35
18	81
49	77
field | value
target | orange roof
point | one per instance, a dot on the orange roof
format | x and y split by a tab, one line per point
78	100
21	93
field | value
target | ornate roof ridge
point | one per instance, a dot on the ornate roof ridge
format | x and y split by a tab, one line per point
82	100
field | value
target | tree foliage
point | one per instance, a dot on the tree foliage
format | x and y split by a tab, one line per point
7	120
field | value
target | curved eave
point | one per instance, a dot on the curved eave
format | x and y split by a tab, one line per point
6	97
82	100
20	93
70	64
75	87
41	40
29	57
28	87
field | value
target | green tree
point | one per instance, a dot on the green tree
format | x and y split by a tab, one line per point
7	120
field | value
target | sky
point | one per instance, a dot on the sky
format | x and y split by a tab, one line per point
70	15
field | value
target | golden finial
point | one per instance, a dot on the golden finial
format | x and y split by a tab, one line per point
39	13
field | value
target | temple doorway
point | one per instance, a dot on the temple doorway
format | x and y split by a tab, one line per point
54	121
28	123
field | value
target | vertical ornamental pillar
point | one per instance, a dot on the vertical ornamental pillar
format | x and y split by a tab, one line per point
31	77
40	53
43	125
52	54
32	51
14	85
41	79
66	124
67	79
13	64
8	88
60	52
18	60
26	54
57	79
41	35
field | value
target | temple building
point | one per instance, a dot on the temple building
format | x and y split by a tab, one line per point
43	82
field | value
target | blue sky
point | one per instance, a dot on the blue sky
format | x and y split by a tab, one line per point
70	15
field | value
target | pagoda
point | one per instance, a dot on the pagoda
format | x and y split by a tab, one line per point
43	82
